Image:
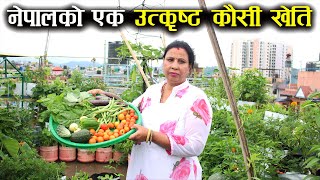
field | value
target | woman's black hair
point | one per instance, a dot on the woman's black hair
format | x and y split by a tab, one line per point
183	45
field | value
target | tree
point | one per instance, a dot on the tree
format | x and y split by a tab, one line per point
251	86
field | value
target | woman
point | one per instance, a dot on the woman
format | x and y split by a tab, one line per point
176	120
179	117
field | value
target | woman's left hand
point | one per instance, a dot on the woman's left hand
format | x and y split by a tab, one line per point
140	135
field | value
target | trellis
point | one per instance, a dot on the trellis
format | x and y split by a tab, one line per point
18	75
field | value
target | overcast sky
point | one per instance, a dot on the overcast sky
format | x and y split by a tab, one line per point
89	41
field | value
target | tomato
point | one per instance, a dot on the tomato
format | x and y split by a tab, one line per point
132	111
100	134
106	137
136	117
116	135
92	141
92	131
123	122
126	129
111	125
100	139
104	126
120	127
116	123
121	132
131	114
121	116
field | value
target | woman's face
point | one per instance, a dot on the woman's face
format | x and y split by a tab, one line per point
176	66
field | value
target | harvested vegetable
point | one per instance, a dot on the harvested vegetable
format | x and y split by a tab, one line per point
73	127
81	136
62	131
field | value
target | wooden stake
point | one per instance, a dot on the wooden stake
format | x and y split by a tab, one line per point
163	40
227	86
135	59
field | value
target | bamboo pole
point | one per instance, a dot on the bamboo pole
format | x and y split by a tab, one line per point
135	58
163	40
227	86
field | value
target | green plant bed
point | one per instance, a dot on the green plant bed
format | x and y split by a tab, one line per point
29	165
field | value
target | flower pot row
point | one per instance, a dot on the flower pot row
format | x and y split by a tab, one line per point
68	154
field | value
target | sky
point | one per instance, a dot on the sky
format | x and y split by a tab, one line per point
89	41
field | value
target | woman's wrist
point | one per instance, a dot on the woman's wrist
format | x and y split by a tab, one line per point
149	136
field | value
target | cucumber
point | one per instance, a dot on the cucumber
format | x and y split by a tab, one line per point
81	136
89	123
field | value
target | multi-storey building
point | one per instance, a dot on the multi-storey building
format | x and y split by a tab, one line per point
269	57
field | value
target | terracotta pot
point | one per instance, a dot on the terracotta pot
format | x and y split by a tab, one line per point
67	154
103	154
116	156
85	155
49	153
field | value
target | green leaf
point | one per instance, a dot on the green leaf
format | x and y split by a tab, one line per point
313	162
11	145
25	148
318	121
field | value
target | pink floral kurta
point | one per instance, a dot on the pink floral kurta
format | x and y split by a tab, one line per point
186	119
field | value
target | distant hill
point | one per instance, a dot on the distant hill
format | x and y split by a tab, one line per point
74	64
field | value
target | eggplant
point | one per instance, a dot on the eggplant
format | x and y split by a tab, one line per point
112	95
99	102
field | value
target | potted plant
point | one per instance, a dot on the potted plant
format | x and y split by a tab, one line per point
27	164
86	155
48	146
121	151
67	154
104	154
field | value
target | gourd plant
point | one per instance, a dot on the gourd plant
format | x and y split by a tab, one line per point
145	53
7	87
312	163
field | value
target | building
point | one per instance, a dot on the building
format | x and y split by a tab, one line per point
57	71
313	66
309	78
112	53
269	57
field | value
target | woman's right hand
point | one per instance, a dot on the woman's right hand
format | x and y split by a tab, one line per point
94	92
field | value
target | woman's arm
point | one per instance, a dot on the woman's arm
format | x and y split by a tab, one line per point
157	137
197	128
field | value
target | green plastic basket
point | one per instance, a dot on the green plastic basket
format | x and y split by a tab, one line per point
65	141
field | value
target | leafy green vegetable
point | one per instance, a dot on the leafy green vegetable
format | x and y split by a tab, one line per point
67	107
